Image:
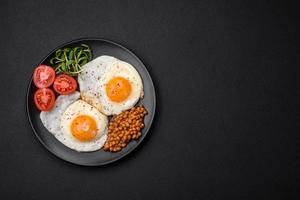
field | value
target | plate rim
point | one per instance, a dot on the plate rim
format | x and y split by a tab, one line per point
102	40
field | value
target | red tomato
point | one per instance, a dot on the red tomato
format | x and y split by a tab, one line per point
64	84
44	99
43	76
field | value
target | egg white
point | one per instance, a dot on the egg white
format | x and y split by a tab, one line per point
51	119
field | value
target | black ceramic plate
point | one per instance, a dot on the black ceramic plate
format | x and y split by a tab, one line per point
99	47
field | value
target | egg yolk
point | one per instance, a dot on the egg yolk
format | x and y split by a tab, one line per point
84	128
118	89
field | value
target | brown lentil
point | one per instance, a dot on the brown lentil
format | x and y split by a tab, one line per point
125	127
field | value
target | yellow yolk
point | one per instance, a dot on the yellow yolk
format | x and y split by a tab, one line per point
84	128
118	89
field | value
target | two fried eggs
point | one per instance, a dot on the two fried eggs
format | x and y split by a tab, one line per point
107	86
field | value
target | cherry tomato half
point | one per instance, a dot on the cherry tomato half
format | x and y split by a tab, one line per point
43	76
64	84
44	99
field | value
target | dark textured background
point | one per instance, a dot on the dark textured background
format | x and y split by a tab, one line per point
227	123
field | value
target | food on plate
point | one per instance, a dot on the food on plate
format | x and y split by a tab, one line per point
83	127
51	119
79	119
43	76
44	99
64	84
125	127
70	60
110	85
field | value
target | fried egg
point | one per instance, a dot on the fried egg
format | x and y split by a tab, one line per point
69	105
110	85
83	127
